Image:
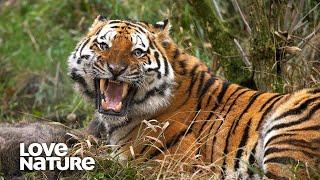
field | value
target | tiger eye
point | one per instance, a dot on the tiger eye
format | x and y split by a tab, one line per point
137	52
165	44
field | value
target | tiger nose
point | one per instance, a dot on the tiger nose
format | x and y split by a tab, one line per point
116	70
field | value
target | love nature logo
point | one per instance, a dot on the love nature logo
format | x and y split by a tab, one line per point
40	156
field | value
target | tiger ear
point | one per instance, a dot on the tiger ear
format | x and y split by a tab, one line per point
163	26
97	20
101	18
162	31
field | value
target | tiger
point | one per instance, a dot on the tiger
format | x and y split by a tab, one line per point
132	71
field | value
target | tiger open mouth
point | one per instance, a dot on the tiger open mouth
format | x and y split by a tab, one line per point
113	97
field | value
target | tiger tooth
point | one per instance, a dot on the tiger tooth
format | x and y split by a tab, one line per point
104	104
116	82
125	90
102	84
118	107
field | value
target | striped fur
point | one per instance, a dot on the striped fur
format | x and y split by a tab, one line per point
233	127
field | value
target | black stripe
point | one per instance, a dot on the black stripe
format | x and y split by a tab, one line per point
281	160
149	61
314	91
156	55
198	108
166	67
141	41
224	117
98	67
134	25
151	46
176	53
143	24
275	137
153	92
265	112
212	93
270	175
193	79
183	66
79	60
175	139
234	92
203	91
242	145
269	100
111	129
116	26
79	79
299	109
219	97
137	28
83	45
213	141
224	88
104	37
84	56
75	51
305	118
251	102
193	70
234	102
203	73
210	97
310	128
299	143
191	85
252	160
99	30
114	21
276	150
207	85
142	31
208	118
234	125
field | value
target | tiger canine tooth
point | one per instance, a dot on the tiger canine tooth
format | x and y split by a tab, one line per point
118	107
125	90
102	84
104	104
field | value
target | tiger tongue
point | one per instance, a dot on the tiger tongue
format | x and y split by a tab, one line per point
113	96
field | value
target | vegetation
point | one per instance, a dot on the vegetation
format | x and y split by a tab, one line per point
267	45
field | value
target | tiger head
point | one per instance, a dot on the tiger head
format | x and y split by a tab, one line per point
123	67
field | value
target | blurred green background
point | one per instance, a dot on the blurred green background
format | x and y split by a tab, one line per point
269	45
